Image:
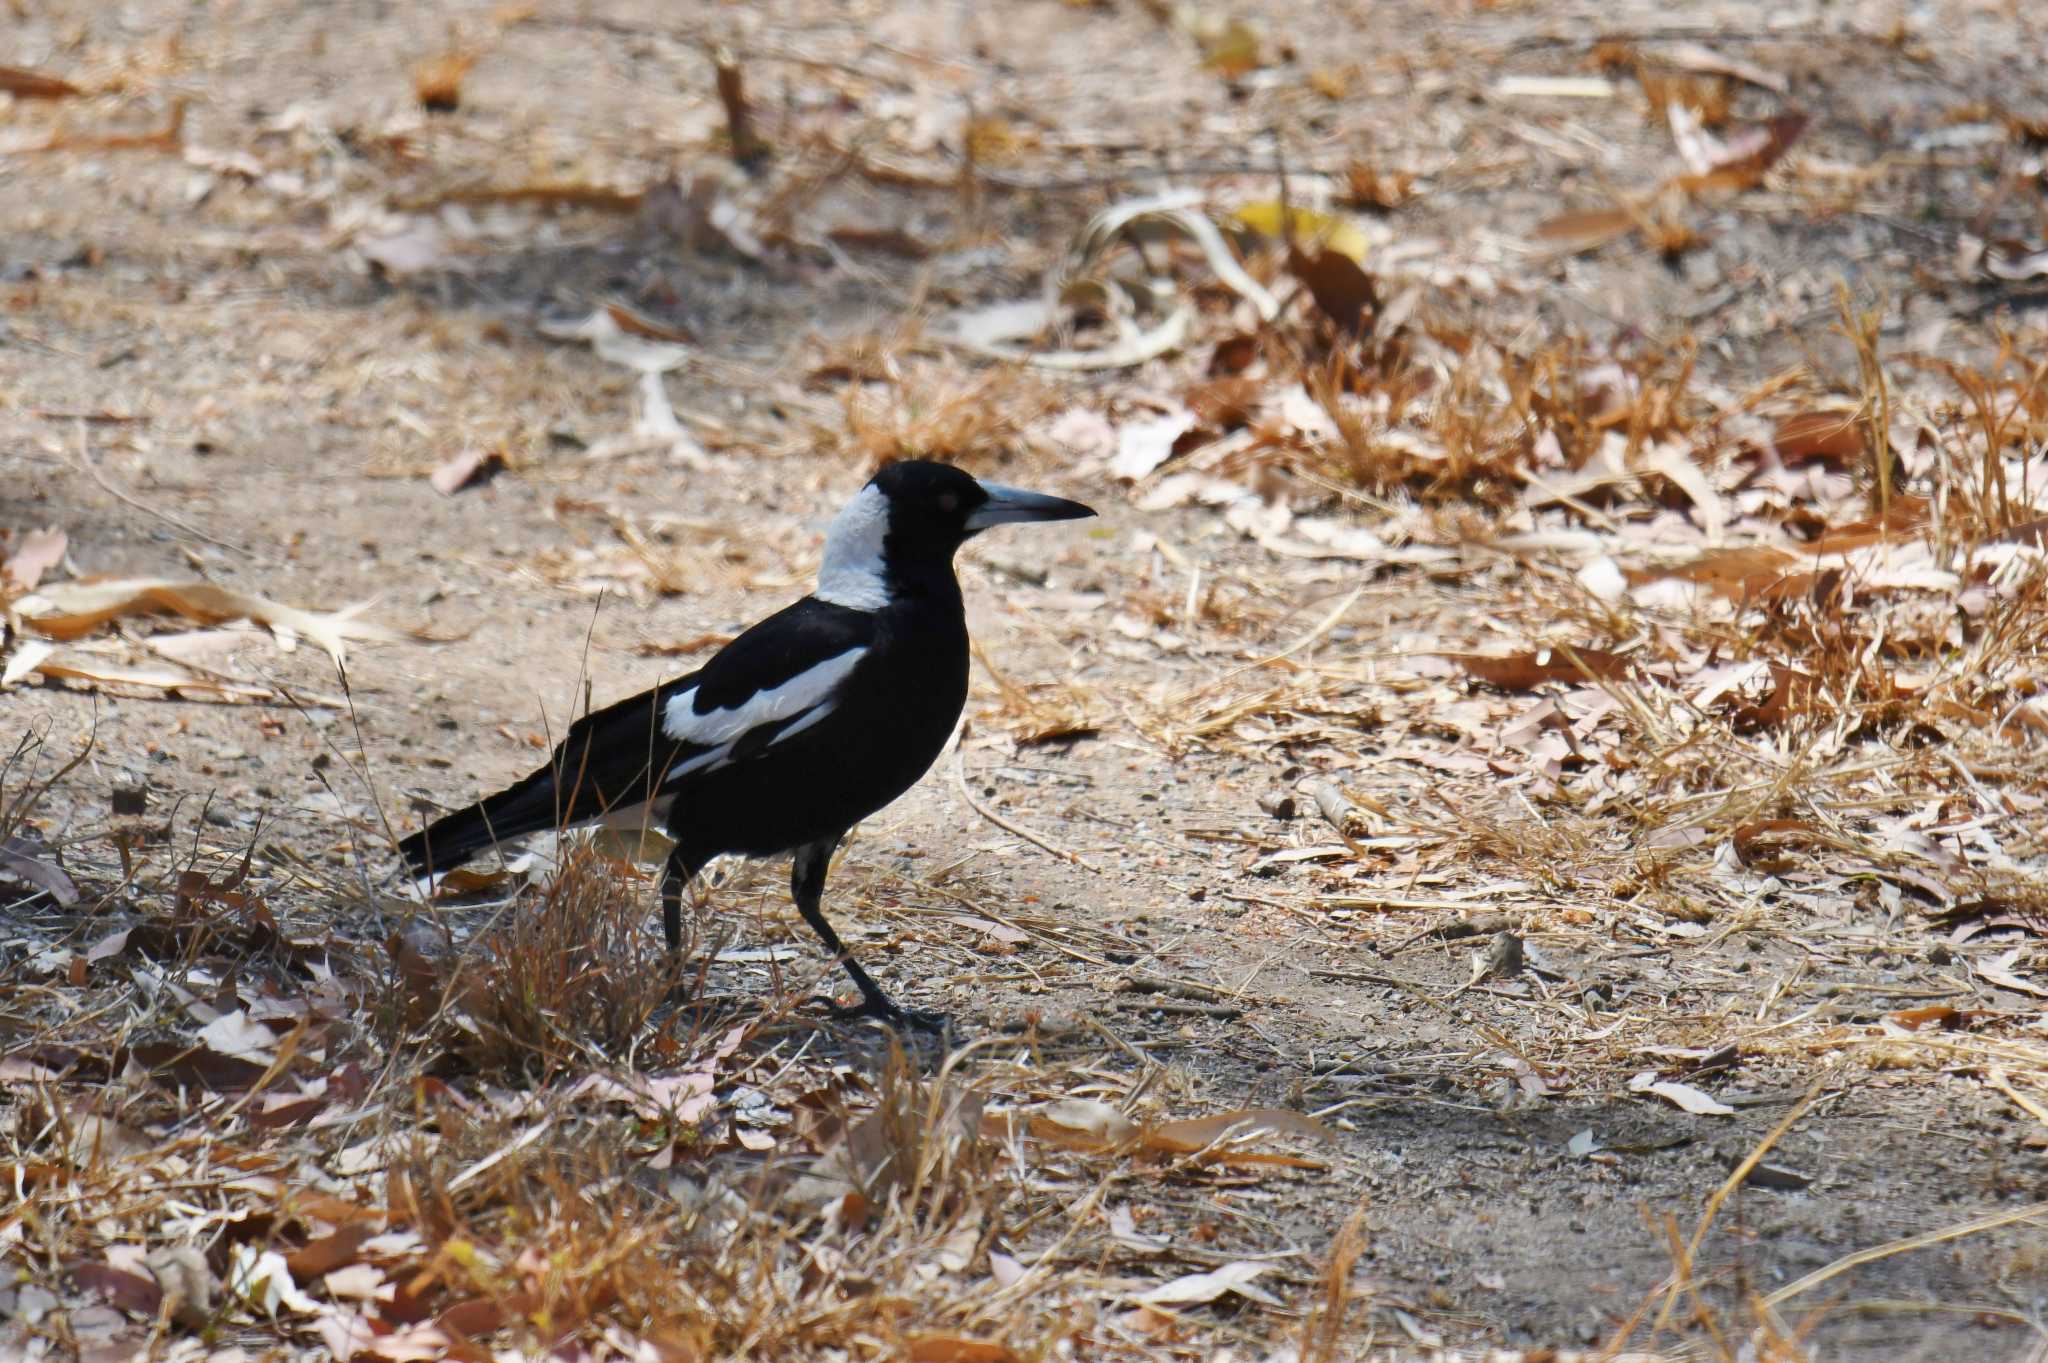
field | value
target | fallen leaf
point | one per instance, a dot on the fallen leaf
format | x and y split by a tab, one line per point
1999	972
262	1278
1690	56
1523	671
1696	1101
2014	263
1833	438
1304	229
1586	229
23	83
471	468
31	864
72	610
888	241
134	1293
955	1349
1553	87
1229	46
1934	1015
37	552
1737	162
420	245
1342	290
1199	1133
1142	446
1236	1278
437	81
234	1035
1084	1122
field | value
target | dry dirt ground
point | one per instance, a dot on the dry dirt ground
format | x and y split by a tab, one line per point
238	357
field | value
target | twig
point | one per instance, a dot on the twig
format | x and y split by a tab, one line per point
92	471
2032	1212
1735	1180
1038	840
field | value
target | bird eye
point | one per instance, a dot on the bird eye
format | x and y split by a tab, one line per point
948	502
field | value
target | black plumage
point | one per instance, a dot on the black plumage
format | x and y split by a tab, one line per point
805	724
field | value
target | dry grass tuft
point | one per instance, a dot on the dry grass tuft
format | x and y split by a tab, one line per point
559	983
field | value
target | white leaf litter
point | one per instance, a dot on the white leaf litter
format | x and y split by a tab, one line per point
1142	446
1232	1278
1696	1101
233	1034
263	1279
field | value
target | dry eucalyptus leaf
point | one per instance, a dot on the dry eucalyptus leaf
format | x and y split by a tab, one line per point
35	554
1238	1278
72	610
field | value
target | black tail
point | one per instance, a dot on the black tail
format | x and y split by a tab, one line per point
525	807
611	758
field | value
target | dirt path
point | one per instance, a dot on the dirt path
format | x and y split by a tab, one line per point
241	361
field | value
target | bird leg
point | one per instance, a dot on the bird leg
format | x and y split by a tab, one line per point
807	888
675	878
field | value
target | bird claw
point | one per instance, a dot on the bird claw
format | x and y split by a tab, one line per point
881	1009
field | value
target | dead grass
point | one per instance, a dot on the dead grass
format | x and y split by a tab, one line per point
1595	651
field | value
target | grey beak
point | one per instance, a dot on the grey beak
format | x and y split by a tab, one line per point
1008	504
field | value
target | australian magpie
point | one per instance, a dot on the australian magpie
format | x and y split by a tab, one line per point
804	725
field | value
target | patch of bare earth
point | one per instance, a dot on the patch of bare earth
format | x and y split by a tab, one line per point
1520	830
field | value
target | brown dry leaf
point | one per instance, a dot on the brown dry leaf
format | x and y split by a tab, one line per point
437	81
1523	671
1792	692
23	83
470	880
1749	841
169	138
1737	162
1834	438
1230	47
1586	229
1342	290
1699	58
1199	1133
1934	1015
71	610
633	324
566	194
28	863
955	1349
471	468
888	241
329	1252
37	552
134	1293
1382	191
1743	572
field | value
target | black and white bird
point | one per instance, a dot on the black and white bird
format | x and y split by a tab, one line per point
795	731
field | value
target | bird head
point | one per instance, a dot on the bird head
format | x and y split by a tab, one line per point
910	518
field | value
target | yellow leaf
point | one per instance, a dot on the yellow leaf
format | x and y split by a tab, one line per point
1309	227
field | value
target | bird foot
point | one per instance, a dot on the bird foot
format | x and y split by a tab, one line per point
881	1008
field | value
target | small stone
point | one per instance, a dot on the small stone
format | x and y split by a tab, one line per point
130	796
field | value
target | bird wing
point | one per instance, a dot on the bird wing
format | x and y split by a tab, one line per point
777	679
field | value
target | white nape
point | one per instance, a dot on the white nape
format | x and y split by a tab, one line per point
855	573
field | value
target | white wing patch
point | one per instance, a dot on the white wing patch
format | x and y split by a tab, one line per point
855	573
806	698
